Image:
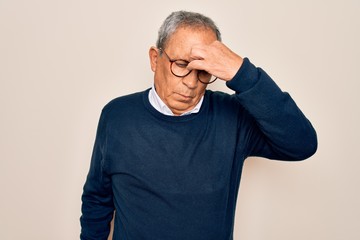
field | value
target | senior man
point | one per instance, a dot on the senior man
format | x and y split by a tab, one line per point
168	160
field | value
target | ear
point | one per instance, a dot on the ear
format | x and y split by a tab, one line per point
153	54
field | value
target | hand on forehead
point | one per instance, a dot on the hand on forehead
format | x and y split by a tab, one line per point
201	51
216	59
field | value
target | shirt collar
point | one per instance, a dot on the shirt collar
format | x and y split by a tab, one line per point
160	106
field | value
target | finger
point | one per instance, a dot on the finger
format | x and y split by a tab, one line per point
198	52
198	64
203	51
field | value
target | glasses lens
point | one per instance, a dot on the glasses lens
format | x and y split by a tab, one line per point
179	68
206	77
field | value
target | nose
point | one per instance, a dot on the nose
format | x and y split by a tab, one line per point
191	80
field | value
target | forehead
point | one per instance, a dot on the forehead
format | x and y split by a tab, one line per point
184	38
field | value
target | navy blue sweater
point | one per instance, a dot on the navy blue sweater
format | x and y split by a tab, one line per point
177	177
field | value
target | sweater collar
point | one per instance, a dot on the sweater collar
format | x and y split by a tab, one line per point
161	107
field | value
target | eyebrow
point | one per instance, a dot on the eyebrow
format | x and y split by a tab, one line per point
174	57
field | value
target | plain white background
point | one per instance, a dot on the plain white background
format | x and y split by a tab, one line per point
62	61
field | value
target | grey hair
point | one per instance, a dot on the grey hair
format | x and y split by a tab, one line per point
184	19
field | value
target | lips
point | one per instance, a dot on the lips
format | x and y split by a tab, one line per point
185	97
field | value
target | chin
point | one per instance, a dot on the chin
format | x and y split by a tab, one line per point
181	107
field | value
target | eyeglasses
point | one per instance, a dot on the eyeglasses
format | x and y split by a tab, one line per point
178	68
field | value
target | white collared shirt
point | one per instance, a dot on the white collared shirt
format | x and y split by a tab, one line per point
159	105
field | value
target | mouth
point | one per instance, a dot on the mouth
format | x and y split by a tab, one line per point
185	97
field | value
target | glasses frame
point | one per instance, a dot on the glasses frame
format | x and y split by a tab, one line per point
174	60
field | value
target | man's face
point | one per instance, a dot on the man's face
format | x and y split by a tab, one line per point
179	94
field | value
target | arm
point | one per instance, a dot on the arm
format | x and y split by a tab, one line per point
279	128
97	201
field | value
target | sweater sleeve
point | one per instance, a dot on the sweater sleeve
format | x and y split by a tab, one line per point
97	198
279	129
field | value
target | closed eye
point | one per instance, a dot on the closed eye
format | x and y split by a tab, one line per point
181	64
